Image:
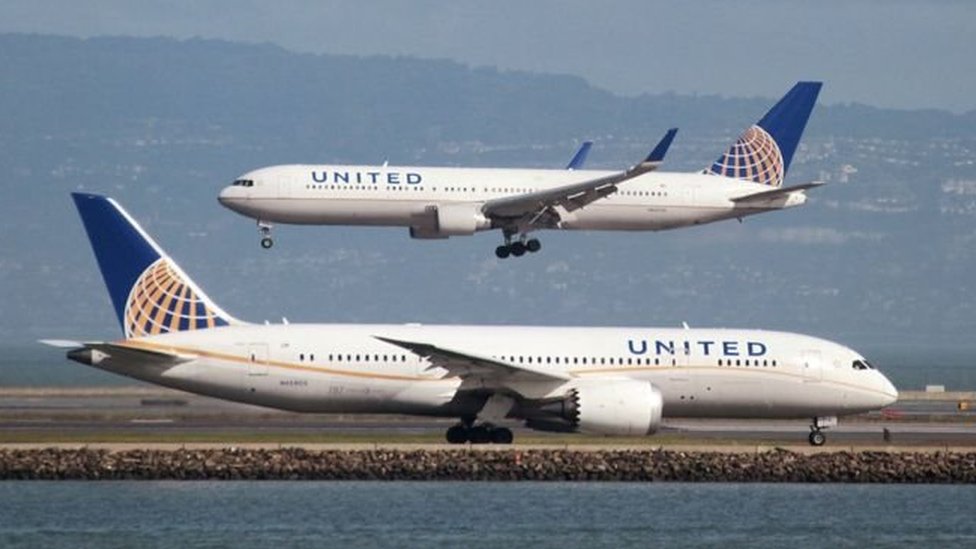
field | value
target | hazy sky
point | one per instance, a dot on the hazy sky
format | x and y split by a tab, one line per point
892	53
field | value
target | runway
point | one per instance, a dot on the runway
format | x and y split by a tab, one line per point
148	415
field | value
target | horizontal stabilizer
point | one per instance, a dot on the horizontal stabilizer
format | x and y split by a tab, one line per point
93	353
61	343
776	193
143	355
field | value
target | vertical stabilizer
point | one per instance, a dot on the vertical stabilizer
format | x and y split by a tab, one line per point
150	293
763	153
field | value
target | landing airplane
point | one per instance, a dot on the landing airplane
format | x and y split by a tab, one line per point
609	381
443	202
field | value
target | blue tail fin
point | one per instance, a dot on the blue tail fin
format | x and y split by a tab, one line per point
150	293
763	152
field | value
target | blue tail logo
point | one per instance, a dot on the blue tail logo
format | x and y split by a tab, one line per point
162	301
763	153
149	291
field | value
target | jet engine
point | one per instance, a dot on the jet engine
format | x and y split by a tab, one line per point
599	406
460	219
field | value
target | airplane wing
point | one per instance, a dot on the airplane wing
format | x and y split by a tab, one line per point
575	196
464	364
776	193
580	157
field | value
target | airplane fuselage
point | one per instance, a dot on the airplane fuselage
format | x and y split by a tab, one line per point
411	196
346	369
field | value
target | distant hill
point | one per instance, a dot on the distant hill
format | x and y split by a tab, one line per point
885	253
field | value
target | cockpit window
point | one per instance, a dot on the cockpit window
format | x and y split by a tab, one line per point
862	365
243	183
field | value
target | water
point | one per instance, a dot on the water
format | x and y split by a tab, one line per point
472	515
908	367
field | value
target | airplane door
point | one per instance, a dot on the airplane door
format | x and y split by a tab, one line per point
283	184
257	364
812	363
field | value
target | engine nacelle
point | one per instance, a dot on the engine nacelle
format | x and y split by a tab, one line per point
600	406
460	219
425	233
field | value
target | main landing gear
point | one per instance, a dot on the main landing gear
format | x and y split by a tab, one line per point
265	229
817	438
517	248
486	433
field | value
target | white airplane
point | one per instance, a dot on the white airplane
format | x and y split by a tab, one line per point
444	202
611	381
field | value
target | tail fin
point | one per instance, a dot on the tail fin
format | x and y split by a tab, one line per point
149	291
764	151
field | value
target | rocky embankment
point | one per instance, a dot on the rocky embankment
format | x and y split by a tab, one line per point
510	464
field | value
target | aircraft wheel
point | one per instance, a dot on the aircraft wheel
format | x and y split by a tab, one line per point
533	245
458	434
479	435
267	243
518	249
502	251
502	435
817	438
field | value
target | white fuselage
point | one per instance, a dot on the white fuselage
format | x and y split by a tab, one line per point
409	196
344	368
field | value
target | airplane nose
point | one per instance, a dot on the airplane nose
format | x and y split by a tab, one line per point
229	196
890	392
224	195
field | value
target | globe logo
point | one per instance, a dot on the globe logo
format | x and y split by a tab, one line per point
161	301
755	156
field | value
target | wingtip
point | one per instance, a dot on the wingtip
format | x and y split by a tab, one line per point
661	149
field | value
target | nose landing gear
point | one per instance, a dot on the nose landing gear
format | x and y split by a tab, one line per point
817	437
265	229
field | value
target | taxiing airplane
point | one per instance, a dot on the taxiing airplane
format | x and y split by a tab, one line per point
443	202
611	381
